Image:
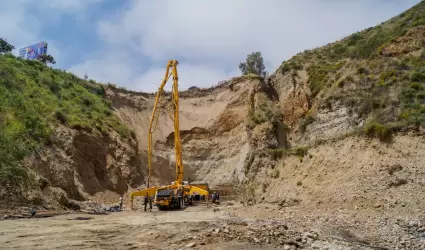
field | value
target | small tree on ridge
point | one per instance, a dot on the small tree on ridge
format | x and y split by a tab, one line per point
47	59
254	64
5	47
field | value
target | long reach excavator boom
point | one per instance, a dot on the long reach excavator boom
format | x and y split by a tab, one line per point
178	193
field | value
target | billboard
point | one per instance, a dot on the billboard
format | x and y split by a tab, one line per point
34	52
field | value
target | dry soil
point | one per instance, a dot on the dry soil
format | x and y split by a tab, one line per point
227	226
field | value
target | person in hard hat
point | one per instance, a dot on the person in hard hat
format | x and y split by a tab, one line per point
146	199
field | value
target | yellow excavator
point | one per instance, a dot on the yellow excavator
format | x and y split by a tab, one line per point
179	193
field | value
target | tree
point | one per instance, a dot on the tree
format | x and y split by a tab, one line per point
5	47
47	59
253	64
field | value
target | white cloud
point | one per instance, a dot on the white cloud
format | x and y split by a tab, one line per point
21	28
210	37
68	5
112	67
16	26
189	75
121	69
225	31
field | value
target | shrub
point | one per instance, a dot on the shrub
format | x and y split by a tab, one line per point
417	76
265	112
362	71
366	106
416	86
387	76
347	79
309	119
112	85
60	116
301	151
276	153
375	129
421	96
12	174
249	159
284	68
319	75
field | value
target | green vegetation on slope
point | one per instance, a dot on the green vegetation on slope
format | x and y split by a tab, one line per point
378	73
33	99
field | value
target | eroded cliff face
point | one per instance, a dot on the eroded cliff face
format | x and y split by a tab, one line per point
79	165
212	128
228	133
309	118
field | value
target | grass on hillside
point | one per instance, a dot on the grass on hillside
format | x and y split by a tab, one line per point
33	98
386	89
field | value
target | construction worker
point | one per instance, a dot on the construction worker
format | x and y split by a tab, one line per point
33	212
146	200
150	204
121	201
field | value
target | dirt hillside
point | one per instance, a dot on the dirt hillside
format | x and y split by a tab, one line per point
345	171
330	126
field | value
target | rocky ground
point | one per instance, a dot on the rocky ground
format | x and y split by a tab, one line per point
227	226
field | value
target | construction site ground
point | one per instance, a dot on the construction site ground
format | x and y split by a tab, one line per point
226	226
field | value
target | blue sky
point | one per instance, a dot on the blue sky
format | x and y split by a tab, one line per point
128	42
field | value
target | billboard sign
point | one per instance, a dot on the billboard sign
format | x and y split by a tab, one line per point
34	52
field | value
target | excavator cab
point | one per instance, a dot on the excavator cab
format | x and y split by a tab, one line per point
164	198
169	198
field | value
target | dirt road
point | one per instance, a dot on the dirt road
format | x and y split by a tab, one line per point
123	230
196	227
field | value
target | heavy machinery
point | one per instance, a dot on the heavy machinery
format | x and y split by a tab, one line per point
180	192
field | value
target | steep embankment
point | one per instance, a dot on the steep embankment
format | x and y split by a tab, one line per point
59	138
212	131
330	126
347	108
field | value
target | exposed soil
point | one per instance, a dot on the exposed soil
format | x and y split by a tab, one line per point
227	226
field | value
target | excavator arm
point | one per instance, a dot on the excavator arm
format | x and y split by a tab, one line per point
171	70
172	64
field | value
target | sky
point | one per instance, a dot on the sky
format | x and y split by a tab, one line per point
128	42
